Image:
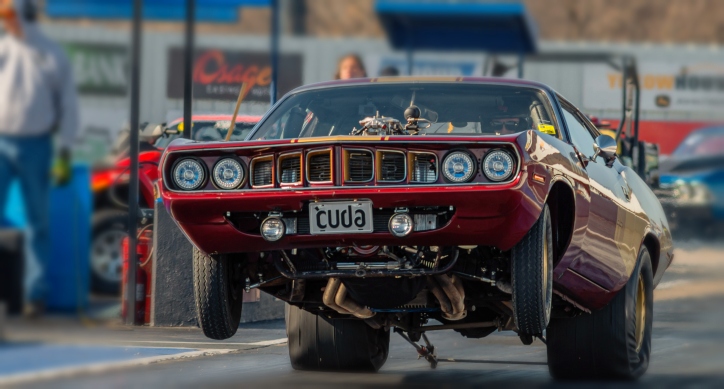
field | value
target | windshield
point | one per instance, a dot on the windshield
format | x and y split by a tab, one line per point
702	143
207	131
451	109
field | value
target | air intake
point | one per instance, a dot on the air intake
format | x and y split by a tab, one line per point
319	167
290	169
359	166
262	173
392	166
424	168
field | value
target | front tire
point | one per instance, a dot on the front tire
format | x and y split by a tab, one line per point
109	227
611	343
319	343
532	277
218	291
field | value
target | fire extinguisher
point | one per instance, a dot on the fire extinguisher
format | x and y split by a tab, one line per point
140	306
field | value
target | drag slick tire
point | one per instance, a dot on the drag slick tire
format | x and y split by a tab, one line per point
611	343
532	277
218	290
322	344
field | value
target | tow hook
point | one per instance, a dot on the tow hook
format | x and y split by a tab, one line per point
427	351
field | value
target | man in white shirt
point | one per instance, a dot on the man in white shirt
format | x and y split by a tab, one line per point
37	99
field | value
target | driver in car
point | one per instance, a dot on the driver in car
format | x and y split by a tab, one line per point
512	119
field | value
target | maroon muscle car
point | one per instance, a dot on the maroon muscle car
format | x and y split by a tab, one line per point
380	205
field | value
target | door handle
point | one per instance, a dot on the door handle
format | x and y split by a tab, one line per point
626	191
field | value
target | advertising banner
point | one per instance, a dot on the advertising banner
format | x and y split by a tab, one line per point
665	86
444	65
99	69
218	74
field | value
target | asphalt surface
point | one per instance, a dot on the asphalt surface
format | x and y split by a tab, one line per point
688	348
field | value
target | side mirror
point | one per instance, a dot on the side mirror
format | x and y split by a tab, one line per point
606	147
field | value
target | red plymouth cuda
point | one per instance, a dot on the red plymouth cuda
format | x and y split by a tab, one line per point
379	205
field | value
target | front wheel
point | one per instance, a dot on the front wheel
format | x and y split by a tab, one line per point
218	290
532	274
611	343
109	228
320	343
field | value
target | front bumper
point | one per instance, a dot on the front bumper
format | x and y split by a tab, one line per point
490	215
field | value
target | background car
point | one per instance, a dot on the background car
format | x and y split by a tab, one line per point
692	184
109	183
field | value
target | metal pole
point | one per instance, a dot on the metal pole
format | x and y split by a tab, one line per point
521	62
189	66
274	50
133	181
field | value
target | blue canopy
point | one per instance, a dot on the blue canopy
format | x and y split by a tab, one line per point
224	11
492	26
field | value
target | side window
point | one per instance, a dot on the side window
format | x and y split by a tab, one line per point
580	136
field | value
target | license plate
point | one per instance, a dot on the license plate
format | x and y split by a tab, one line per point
340	217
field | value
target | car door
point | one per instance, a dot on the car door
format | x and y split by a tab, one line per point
602	262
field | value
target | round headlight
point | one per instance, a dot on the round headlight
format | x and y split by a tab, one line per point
228	173
189	174
272	229
458	166
401	224
498	165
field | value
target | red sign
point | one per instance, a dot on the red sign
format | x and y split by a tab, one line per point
218	74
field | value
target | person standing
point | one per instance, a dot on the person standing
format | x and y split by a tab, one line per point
350	66
38	99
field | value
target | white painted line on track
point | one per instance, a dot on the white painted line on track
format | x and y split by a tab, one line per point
272	342
47	374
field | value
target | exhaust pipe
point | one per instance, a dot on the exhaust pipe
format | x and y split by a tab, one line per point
335	297
451	295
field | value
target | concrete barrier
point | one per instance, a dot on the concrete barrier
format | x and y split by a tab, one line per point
172	304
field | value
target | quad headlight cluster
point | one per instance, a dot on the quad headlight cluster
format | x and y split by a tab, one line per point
460	166
191	174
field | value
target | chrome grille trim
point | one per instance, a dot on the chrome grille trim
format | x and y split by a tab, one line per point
319	166
262	169
290	169
359	166
424	167
392	166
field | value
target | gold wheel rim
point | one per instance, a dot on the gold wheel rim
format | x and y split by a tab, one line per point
640	313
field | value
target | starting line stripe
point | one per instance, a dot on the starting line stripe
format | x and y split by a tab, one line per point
272	342
48	374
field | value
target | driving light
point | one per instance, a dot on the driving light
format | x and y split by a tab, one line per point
401	224
458	166
189	174
228	173
498	165
272	229
692	193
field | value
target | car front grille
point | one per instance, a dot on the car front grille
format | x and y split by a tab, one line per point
290	169
392	166
424	168
359	166
262	173
320	167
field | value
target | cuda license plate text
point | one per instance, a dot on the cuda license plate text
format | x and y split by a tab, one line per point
340	217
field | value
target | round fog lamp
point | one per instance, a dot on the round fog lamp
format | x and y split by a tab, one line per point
401	224
272	229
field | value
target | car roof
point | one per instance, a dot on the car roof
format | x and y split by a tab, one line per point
426	79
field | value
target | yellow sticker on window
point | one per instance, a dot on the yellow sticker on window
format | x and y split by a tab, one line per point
547	129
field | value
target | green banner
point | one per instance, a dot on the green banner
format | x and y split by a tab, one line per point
99	69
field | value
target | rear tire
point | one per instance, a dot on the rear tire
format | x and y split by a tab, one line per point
218	291
611	343
532	277
319	343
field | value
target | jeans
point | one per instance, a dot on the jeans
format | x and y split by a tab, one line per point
28	159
